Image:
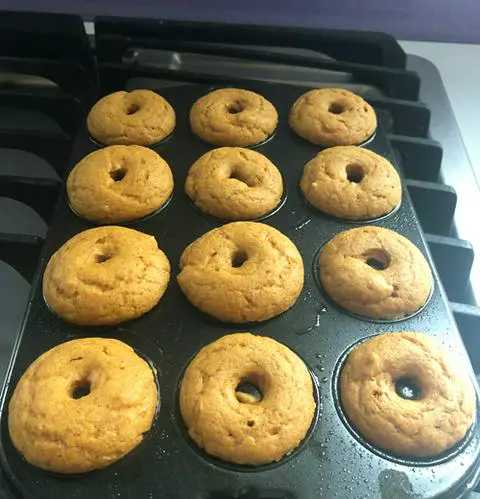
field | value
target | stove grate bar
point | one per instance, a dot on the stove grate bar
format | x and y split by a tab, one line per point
55	148
39	193
396	83
453	260
22	252
361	47
62	108
435	205
421	159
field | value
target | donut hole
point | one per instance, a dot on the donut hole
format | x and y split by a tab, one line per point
355	173
239	257
132	109
102	257
408	388
336	108
238	174
118	174
248	392
235	107
377	259
80	389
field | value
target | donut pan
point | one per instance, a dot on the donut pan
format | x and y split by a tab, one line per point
333	461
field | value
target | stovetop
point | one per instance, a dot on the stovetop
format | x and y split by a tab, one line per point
49	80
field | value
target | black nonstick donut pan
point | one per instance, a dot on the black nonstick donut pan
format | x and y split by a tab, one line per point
333	461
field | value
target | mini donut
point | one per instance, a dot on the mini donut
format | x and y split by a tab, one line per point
375	272
333	117
118	184
82	406
242	272
407	394
106	275
233	117
234	183
352	183
244	429
139	117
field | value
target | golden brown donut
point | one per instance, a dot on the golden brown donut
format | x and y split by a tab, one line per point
375	272
352	183
139	117
407	394
82	405
106	275
234	183
233	117
119	183
333	117
237	427
242	272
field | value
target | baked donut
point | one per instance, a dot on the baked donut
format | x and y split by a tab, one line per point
333	117
139	117
352	183
234	183
233	117
119	183
406	394
375	272
106	275
82	406
238	427
242	272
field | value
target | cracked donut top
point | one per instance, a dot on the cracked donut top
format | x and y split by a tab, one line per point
247	428
82	405
233	117
333	117
375	272
139	117
352	183
407	394
234	183
106	275
242	272
119	183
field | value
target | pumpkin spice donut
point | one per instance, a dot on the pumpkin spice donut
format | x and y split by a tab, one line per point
375	272
105	276
352	183
235	426
139	117
119	183
82	405
407	394
333	117
234	183
233	117
242	272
